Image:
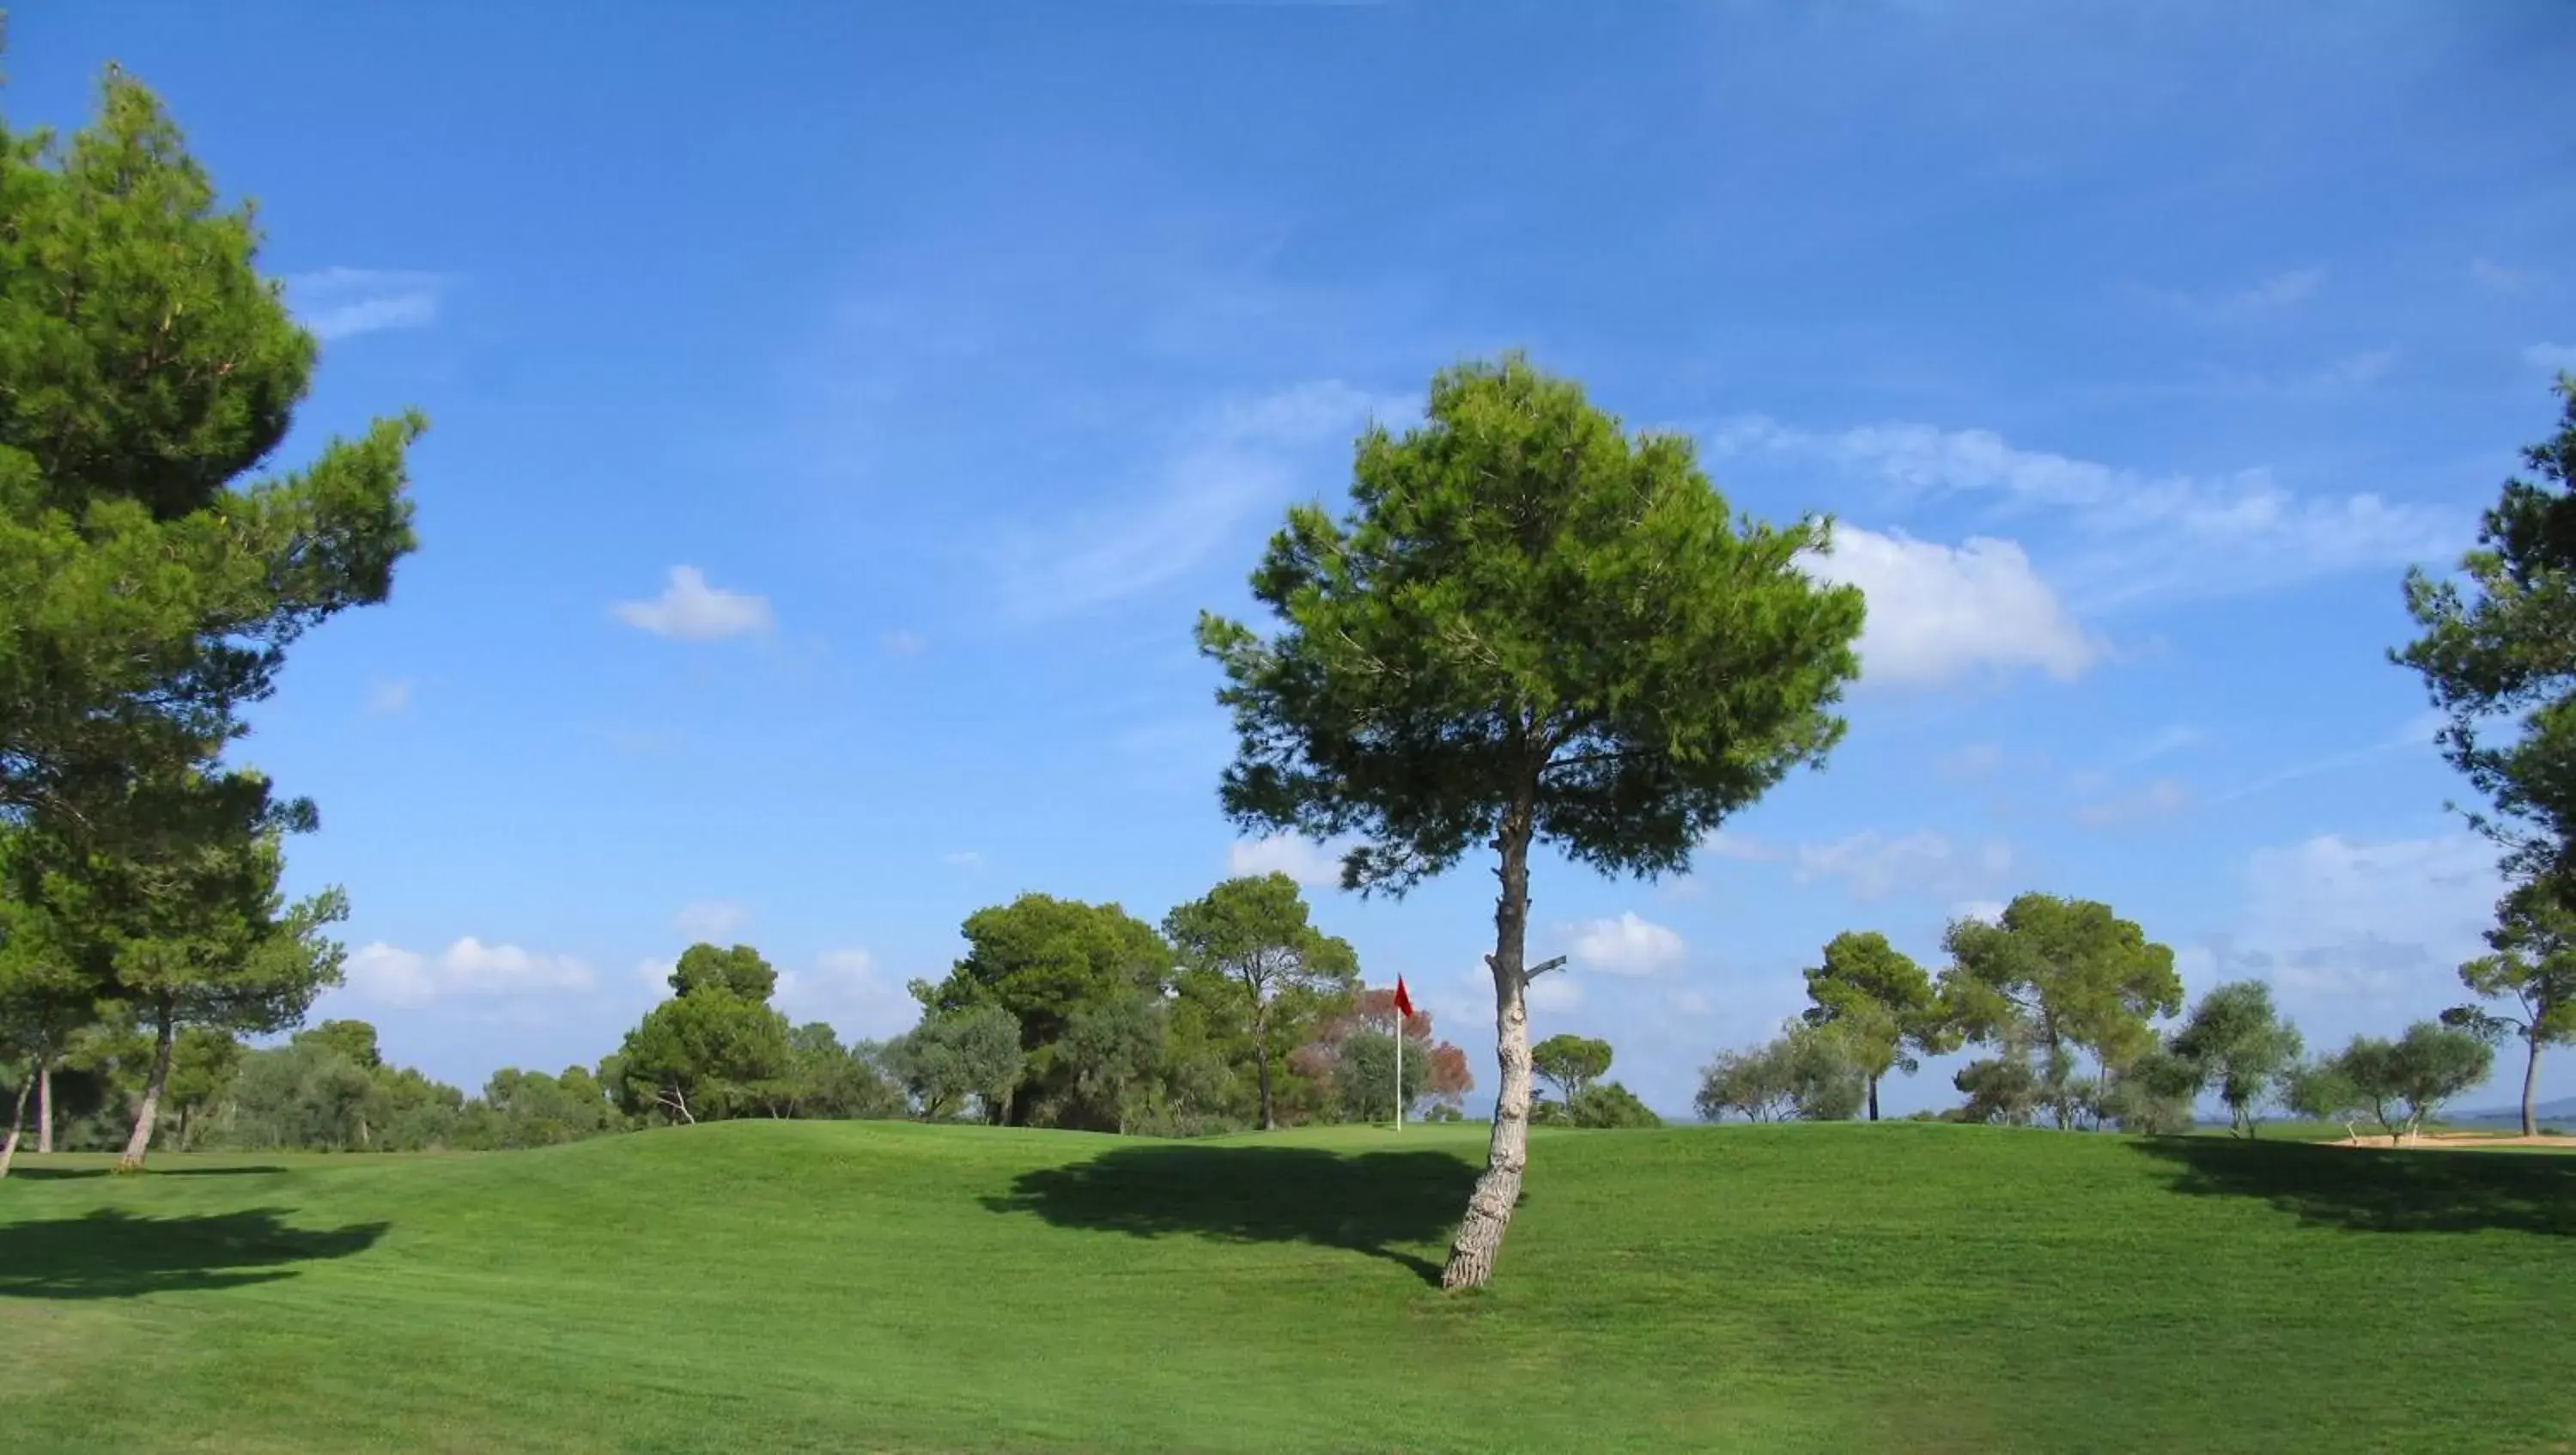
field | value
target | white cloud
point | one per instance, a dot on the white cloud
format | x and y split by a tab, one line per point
966	859
708	919
2158	800
655	975
1689	1002
1241	459
389	697
1627	945
2122	536
380	971
2369	934
1939	613
337	303
1871	865
845	989
1309	863
693	611
1985	911
1725	844
2553	357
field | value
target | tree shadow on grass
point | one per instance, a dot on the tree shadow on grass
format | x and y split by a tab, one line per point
113	1254
2379	1190
66	1174
1364	1204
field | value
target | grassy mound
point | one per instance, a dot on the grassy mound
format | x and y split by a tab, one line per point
759	1286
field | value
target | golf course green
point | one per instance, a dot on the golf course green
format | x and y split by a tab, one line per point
887	1286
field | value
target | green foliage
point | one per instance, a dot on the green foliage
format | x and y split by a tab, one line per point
1609	1105
2235	1041
2404	1082
2324	1091
204	1064
353	1039
2532	969
1530	624
149	368
955	1055
2502	651
2002	1089
532	1109
1882	1001
1363	1076
1112	1052
303	1094
715	1049
1042	959
739	972
1808	1072
826	1079
1252	935
1573	1063
2058	976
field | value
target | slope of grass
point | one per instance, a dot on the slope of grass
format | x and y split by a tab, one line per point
781	1286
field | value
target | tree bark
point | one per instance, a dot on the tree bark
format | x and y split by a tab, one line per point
17	1123
1873	1098
2530	1084
141	1142
1261	1034
1498	1191
44	1104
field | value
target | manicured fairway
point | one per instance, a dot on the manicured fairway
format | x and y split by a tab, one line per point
863	1286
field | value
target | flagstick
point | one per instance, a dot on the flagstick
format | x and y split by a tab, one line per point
1399	1070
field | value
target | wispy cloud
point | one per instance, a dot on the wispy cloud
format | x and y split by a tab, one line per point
2281	290
691	610
2158	800
1970	763
1242	459
338	303
2489	274
389	697
966	859
1873	865
904	644
2416	734
2164	741
709	919
2121	536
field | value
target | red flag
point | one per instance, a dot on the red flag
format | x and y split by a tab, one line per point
1403	1002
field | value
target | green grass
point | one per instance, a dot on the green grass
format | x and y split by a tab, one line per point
777	1286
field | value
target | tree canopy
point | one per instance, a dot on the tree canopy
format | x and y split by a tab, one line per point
1573	1063
2497	653
1532	627
150	368
2532	968
2059	976
1255	934
1883	1002
2235	1041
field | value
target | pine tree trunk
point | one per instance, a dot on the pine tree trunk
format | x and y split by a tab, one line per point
17	1123
1498	1191
2530	1085
1269	1117
141	1142
45	1104
1873	1098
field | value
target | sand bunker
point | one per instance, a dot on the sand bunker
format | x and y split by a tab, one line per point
2456	1141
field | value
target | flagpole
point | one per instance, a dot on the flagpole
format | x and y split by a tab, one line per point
1399	1068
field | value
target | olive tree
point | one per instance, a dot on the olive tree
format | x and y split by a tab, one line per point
1531	628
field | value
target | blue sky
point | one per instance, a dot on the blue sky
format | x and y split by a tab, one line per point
840	413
